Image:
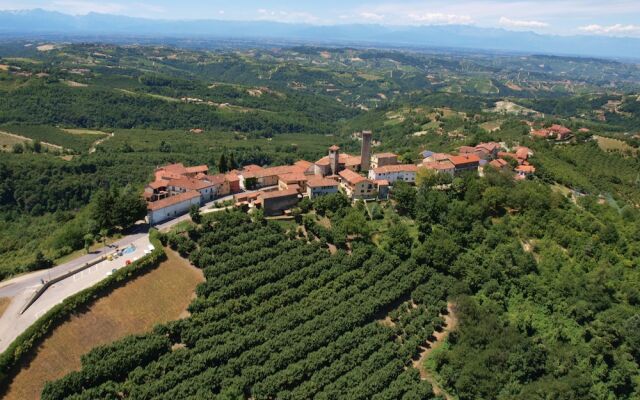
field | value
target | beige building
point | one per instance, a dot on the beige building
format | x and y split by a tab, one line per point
356	186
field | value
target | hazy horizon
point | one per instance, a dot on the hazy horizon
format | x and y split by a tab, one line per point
563	17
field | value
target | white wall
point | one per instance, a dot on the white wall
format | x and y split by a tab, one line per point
172	211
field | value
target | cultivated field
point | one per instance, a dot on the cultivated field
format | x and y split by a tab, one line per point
159	296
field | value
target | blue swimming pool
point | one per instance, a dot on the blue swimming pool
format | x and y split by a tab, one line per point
129	250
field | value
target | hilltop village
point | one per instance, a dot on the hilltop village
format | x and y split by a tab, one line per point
275	190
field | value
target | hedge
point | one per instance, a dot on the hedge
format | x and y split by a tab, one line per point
33	336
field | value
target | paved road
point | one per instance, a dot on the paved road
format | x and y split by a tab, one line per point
21	289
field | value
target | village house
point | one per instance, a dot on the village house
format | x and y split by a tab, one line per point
462	163
171	207
256	178
440	167
182	185
319	186
555	131
485	151
393	173
297	179
500	164
524	171
383	159
356	186
276	202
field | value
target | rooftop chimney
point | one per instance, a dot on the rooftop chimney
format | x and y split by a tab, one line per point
365	155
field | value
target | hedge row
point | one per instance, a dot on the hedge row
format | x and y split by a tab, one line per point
12	357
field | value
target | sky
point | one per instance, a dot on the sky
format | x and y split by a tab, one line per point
560	17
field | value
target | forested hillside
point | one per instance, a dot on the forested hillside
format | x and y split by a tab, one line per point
544	290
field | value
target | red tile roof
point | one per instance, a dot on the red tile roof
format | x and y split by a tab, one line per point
197	169
396	168
278	193
559	129
189	184
293	177
351	177
527	169
353	160
385	155
251	168
464	160
522	153
321	182
303	164
498	163
440	166
169	201
217	179
334	148
159	184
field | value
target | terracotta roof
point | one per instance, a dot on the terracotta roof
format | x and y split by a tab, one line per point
321	182
177	168
504	154
303	164
385	155
158	184
441	166
353	160
527	169
169	201
189	184
293	177
522	153
559	129
334	148
251	168
466	149
197	169
396	168
323	161
218	179
489	146
279	193
464	160
498	163
381	182
351	177
342	159
232	177
543	133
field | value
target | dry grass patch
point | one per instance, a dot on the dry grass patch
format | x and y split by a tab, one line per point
609	144
84	132
4	303
7	141
160	296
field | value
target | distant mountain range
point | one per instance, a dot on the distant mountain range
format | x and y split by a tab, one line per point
41	23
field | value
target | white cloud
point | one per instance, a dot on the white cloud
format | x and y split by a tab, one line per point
515	23
440	19
370	16
78	7
612	30
287	16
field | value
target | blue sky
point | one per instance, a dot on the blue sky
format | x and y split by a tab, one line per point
564	17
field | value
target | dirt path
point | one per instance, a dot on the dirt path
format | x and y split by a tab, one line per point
450	324
26	139
98	142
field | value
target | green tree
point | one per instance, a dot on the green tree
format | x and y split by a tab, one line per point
404	196
397	240
223	166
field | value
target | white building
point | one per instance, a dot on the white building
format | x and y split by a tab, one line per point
171	207
393	173
321	186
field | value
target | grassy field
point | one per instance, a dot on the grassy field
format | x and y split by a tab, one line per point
8	141
4	303
609	144
159	296
49	134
